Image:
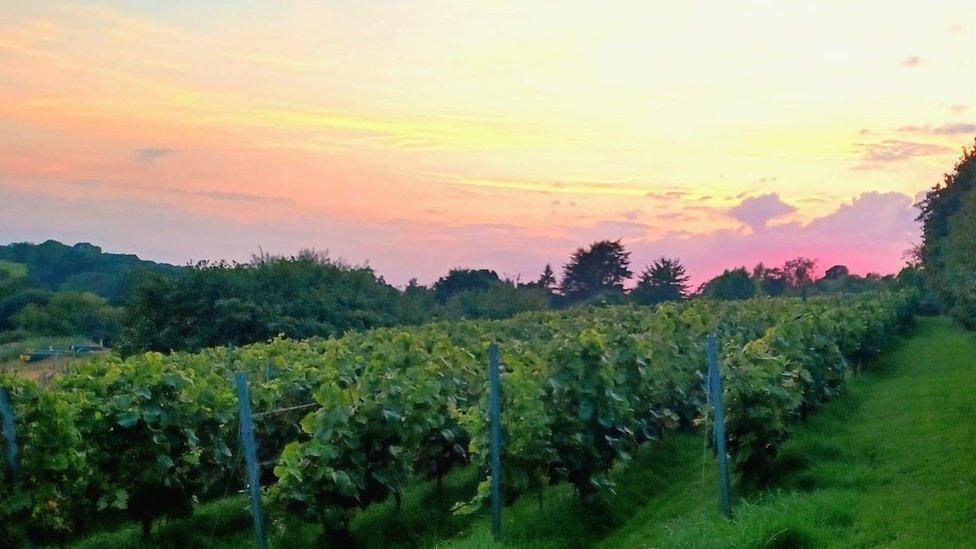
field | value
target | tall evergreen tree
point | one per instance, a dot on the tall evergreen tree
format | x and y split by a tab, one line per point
664	280
547	280
601	267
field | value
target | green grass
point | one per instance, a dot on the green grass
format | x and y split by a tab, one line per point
13	350
423	519
892	462
13	270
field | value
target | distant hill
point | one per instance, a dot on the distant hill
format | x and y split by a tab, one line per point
81	267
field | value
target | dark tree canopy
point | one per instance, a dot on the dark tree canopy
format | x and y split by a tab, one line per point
604	266
940	203
837	271
459	280
547	280
219	303
731	284
799	272
789	279
500	300
771	280
664	280
948	250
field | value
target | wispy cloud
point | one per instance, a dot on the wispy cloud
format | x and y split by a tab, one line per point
896	150
87	183
675	216
234	197
612	229
149	156
667	196
90	184
911	61
955	128
556	187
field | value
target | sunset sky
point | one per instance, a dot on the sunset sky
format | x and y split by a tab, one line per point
420	136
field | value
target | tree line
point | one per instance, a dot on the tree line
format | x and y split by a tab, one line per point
164	308
51	289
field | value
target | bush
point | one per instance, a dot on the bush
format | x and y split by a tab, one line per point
50	501
155	430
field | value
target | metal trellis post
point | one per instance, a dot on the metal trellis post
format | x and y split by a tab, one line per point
494	417
250	457
715	395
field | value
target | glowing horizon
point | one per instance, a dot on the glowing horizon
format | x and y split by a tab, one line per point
424	136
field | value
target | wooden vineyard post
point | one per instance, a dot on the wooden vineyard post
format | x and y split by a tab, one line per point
9	430
250	458
9	434
715	396
495	441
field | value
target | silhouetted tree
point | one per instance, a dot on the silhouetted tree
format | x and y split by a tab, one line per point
799	272
459	280
664	280
837	271
771	281
731	284
601	267
547	280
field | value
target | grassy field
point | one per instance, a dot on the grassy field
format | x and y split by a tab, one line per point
890	463
14	349
39	371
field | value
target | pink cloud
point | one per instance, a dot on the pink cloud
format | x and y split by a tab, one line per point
868	234
911	61
955	128
667	196
896	150
757	211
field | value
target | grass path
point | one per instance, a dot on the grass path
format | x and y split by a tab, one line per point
891	462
